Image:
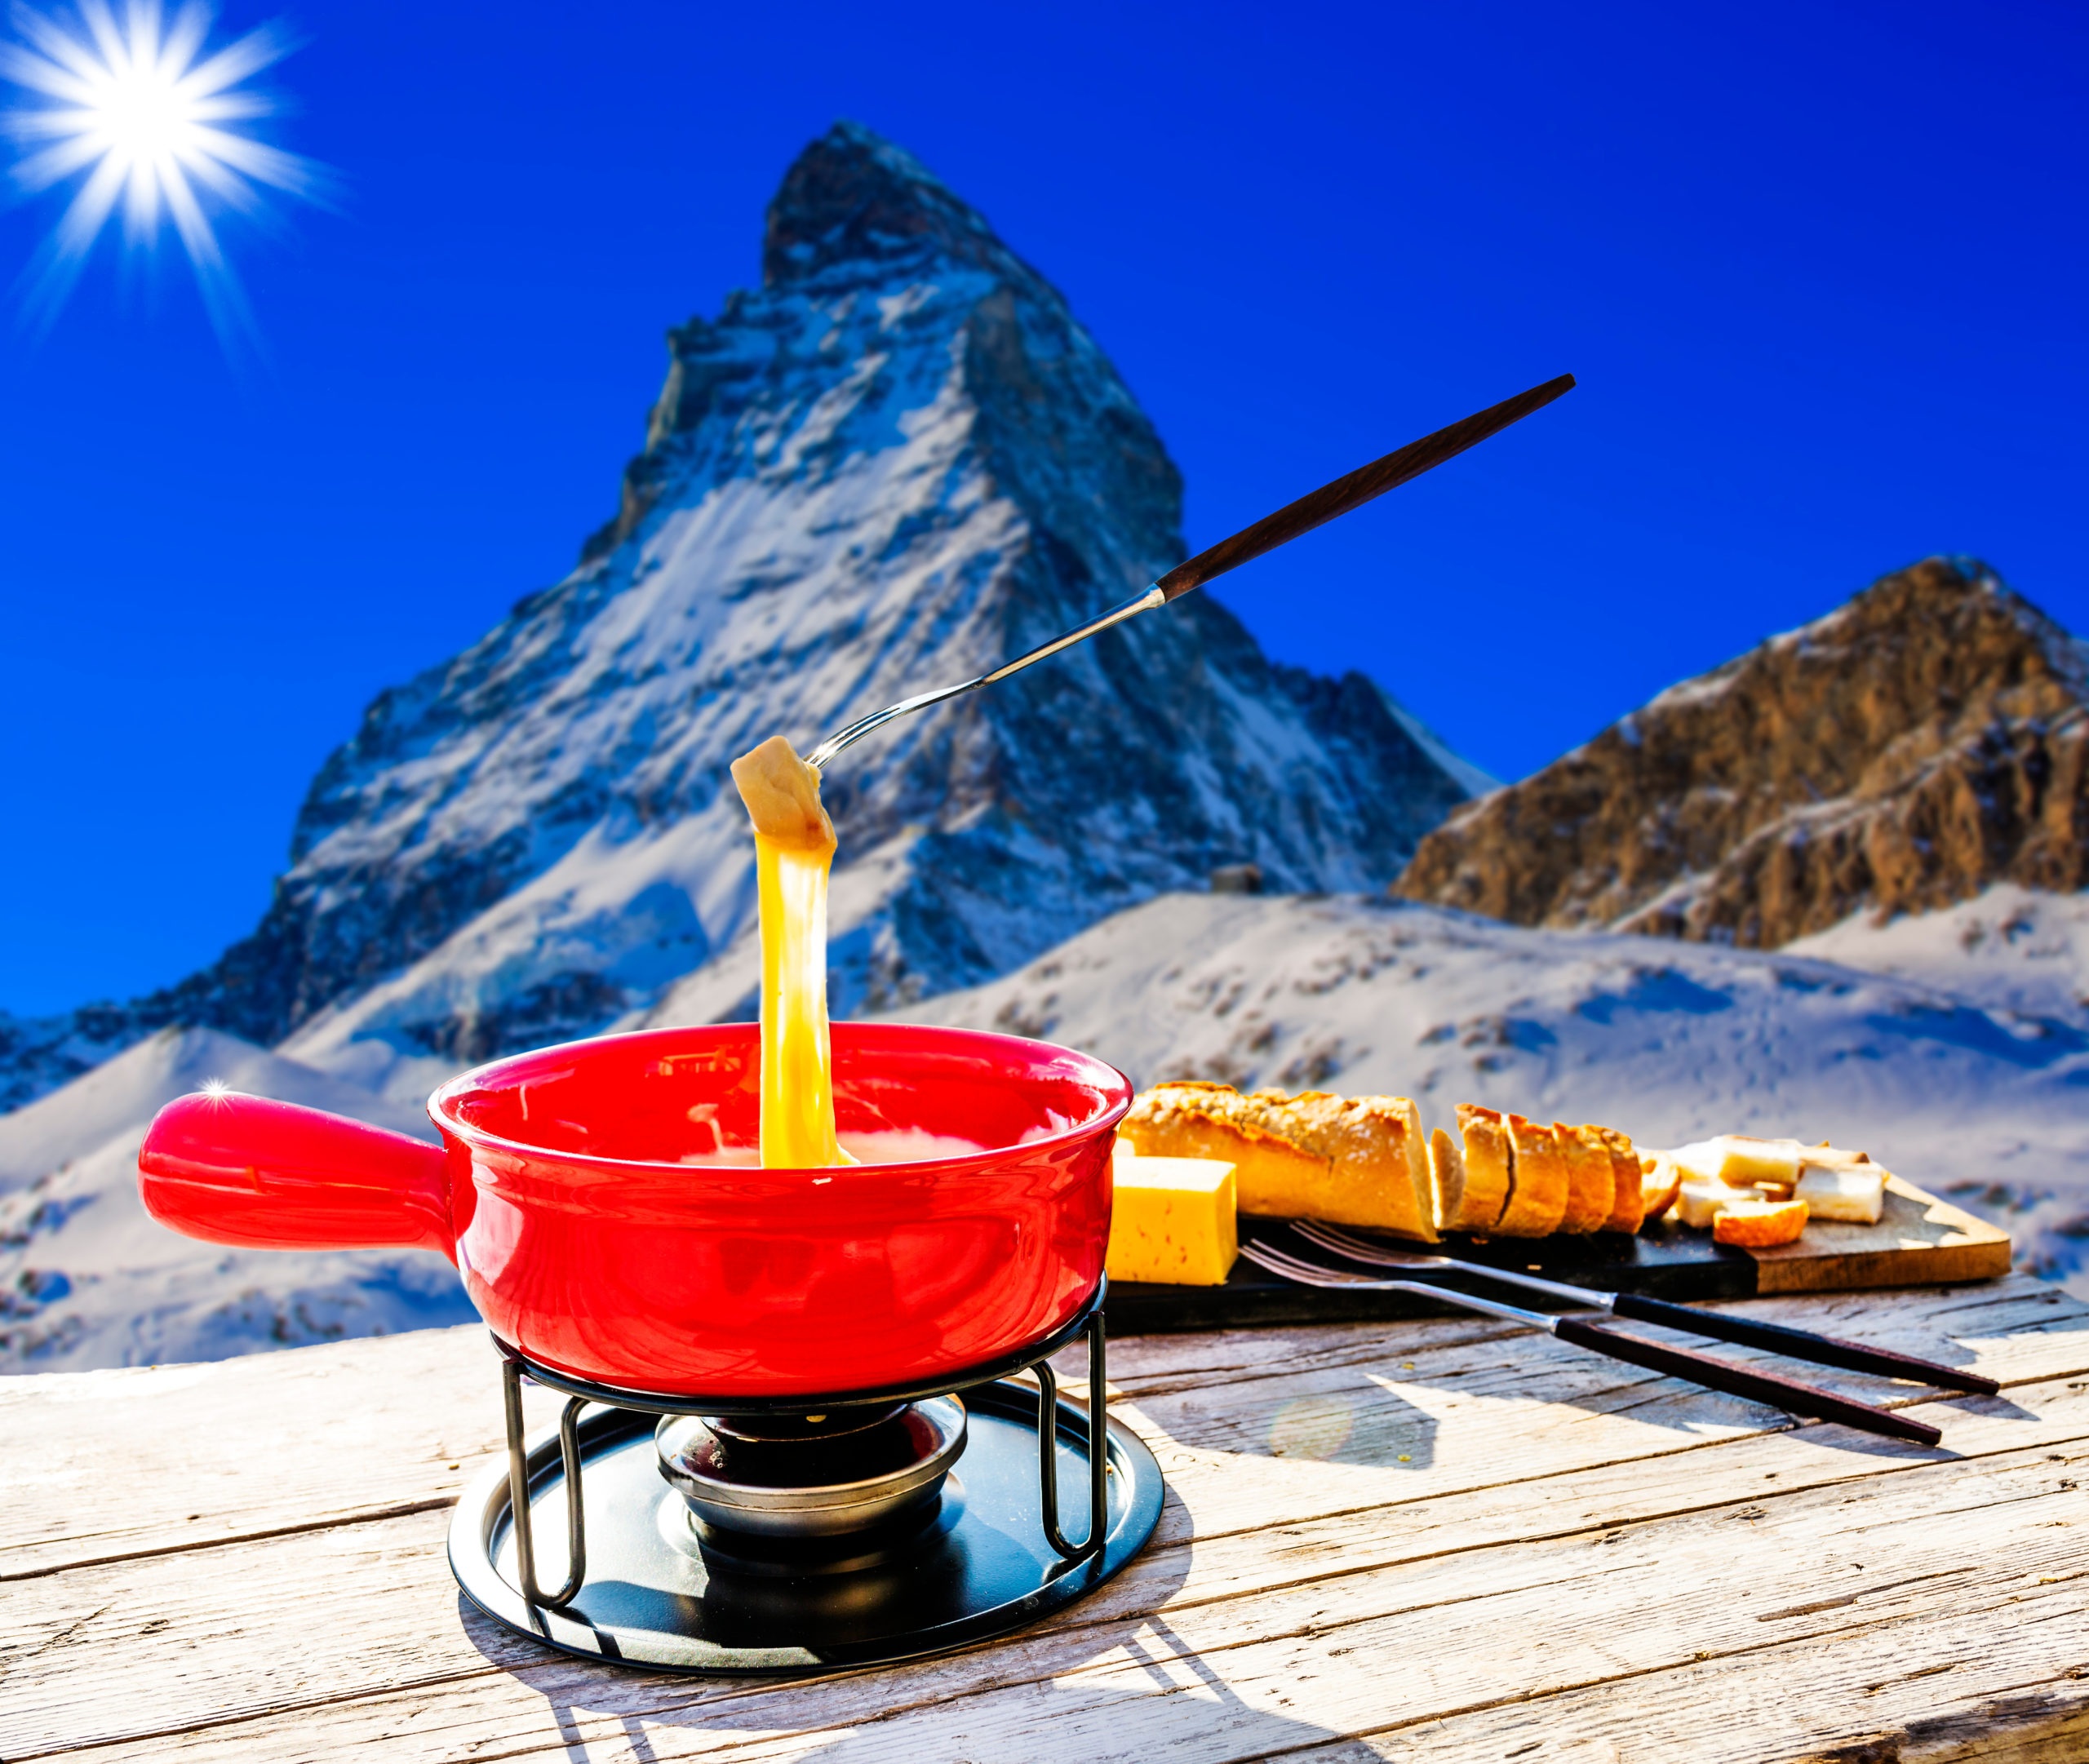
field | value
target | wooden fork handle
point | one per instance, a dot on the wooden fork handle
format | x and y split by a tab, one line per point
1317	507
1785	1394
1800	1344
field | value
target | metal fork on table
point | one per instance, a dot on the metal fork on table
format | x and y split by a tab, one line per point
1786	1394
1779	1338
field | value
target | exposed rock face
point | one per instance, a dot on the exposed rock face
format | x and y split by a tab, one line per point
1927	739
898	463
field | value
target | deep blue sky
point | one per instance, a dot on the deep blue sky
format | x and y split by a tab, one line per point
1819	268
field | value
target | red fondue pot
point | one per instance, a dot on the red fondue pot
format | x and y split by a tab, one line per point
569	1192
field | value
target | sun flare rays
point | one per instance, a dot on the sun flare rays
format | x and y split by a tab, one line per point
145	119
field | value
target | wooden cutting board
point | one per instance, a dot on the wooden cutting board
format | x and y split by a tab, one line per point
1918	1241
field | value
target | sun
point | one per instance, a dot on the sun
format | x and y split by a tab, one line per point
138	112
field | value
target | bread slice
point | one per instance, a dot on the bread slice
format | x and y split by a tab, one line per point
1760	1224
1538	1181
1629	1196
1358	1161
1447	1179
1591	1183
1482	1170
1660	1182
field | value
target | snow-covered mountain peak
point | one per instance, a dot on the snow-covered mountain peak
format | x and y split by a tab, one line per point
854	206
900	461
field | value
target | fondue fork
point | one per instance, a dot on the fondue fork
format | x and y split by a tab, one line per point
1793	1344
1786	1394
1315	509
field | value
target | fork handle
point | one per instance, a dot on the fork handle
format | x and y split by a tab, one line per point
1785	1393
1799	1344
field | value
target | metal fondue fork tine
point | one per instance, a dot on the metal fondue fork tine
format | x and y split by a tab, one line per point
1313	509
1752	1331
1786	1394
1373	1255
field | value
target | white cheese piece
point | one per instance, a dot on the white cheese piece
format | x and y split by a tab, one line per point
1700	1201
1830	1156
1746	1160
1855	1194
1700	1161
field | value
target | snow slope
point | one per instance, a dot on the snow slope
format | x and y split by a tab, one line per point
87	1280
2009	946
1669	1041
1964	1067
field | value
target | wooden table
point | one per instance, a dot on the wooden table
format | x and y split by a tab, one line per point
1447	1540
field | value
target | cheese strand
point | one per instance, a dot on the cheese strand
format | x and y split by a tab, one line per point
794	850
797	1082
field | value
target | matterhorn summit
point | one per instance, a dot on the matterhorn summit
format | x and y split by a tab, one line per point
898	463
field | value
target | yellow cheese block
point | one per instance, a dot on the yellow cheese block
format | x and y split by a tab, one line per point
1172	1221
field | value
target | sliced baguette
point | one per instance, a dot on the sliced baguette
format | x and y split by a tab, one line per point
1660	1182
1538	1181
1447	1179
1482	1172
1629	1196
1591	1182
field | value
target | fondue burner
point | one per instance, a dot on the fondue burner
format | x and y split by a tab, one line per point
803	1533
812	1476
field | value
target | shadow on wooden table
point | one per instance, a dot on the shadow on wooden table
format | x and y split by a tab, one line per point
1101	1689
1386	1413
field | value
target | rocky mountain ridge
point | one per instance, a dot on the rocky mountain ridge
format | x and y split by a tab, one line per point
898	462
1921	743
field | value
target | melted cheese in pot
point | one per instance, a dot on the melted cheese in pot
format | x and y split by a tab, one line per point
794	849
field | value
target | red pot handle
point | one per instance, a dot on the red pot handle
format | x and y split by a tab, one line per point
232	1168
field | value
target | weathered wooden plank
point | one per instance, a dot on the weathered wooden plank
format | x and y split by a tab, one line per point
1820	1601
370	1428
119	1640
1516	1622
1248	1460
1346	1431
1971	1698
97	1466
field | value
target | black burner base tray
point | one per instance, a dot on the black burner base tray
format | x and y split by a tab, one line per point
653	1598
